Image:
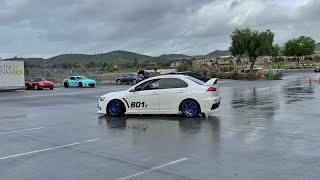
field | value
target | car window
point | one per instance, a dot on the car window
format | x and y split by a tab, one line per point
196	80
72	78
38	79
169	83
149	85
195	75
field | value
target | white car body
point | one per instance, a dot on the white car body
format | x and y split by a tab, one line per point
165	100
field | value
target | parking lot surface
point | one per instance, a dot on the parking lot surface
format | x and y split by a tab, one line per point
262	130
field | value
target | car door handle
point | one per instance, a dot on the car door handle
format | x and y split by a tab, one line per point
181	92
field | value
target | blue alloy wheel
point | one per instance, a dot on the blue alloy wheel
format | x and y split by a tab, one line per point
190	108
115	108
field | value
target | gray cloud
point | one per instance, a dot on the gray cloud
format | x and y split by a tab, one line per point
45	27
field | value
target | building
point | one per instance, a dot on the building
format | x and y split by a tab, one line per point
202	63
175	64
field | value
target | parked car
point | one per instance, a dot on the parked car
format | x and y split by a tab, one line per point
130	78
246	69
317	70
193	74
38	83
79	81
145	74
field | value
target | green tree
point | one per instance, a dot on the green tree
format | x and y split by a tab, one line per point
135	63
299	48
251	43
185	66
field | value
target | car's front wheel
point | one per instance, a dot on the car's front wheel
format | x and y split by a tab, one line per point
134	81
118	81
190	108
65	84
36	87
115	108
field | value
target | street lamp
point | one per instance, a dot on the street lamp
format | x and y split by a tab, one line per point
270	67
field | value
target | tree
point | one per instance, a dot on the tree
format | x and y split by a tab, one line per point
135	63
251	43
299	48
185	66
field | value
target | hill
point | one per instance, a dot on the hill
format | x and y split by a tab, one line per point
114	57
318	46
218	53
174	56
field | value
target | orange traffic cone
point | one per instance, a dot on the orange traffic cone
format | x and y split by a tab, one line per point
310	81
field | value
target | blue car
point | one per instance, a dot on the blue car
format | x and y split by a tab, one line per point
78	81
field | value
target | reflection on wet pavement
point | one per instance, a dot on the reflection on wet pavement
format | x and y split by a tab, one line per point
296	91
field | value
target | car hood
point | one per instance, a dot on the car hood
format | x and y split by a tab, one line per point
89	80
44	82
118	94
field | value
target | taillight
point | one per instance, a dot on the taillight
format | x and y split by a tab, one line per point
211	89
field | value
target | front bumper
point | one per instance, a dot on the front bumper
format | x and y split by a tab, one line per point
46	86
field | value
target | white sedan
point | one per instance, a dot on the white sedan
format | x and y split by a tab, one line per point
166	94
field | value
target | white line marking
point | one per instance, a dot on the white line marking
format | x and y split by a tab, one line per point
59	94
155	168
48	149
22	130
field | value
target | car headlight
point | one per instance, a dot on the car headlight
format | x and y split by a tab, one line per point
102	98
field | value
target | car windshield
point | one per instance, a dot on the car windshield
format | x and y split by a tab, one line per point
38	79
196	80
81	77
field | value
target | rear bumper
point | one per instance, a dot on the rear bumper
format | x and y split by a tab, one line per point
210	103
215	106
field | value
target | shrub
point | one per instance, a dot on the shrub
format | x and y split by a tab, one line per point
252	76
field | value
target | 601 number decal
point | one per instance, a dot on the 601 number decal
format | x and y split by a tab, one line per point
138	104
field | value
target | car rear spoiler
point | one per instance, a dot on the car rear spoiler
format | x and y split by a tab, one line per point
211	82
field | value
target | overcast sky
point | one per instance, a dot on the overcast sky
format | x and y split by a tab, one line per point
45	28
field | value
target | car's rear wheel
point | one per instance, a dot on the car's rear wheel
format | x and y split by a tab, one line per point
190	108
26	87
134	81
51	88
115	108
65	84
36	87
118	81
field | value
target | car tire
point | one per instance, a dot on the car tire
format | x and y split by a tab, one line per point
26	87
118	81
36	87
115	108
134	81
65	84
190	108
80	84
51	88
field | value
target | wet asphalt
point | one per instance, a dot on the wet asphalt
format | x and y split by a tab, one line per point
262	130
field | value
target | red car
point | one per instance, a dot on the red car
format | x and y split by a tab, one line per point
38	83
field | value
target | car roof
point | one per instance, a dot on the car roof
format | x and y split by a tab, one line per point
169	76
